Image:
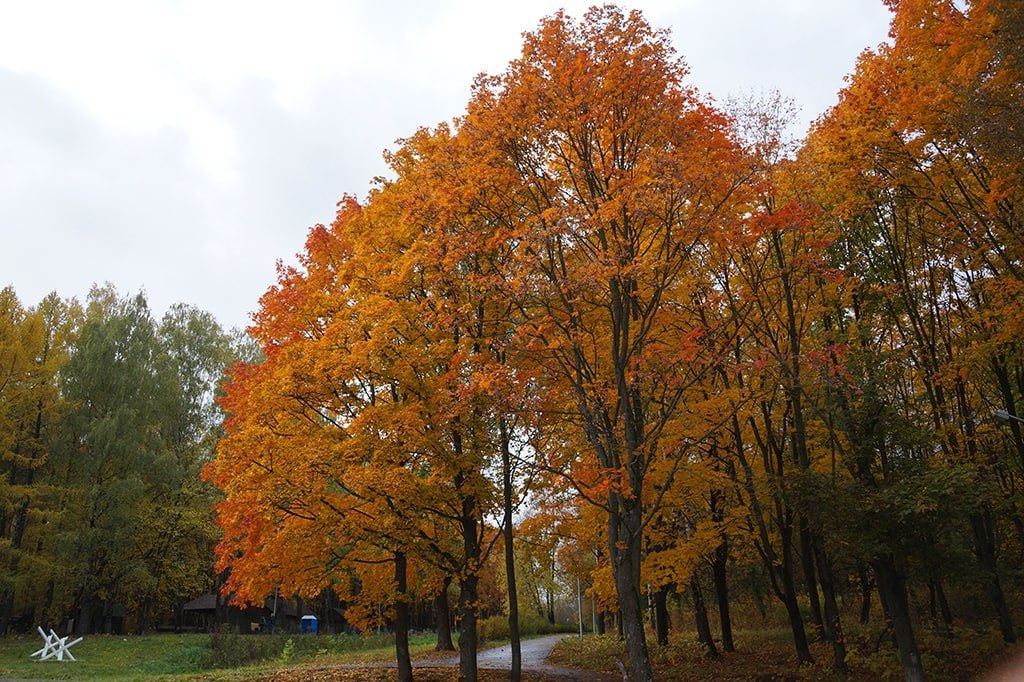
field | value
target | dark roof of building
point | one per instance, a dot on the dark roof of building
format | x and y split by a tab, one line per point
206	602
285	607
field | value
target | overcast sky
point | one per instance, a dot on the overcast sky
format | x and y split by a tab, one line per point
181	148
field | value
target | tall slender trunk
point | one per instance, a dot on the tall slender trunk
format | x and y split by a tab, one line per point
835	625
467	628
20	519
468	589
402	619
624	537
661	624
810	579
778	568
719	567
788	594
893	588
700	612
801	454
510	560
937	604
985	549
718	572
142	620
865	592
443	618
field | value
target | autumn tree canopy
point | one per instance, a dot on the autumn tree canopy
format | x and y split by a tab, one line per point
733	363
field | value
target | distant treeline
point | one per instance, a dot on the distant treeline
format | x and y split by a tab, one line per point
106	417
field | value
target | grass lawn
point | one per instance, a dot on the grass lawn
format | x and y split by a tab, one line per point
763	654
192	656
102	657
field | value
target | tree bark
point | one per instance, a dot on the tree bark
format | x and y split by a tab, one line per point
893	588
510	560
937	605
402	619
443	619
788	596
835	625
468	588
985	550
719	568
19	531
947	615
661	624
467	628
700	611
778	568
624	537
810	579
865	592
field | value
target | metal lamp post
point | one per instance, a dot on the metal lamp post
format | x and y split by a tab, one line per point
1004	417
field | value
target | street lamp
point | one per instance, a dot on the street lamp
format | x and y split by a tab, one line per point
1004	417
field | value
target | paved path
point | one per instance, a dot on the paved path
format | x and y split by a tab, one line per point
535	652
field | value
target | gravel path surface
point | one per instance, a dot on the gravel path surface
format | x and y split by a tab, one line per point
535	652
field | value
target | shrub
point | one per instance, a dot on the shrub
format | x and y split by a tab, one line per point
495	628
230	649
532	624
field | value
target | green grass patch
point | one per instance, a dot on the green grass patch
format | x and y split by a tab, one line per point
222	656
104	657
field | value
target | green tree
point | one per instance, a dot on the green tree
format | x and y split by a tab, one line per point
33	344
109	454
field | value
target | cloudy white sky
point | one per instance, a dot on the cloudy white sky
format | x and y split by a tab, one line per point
181	147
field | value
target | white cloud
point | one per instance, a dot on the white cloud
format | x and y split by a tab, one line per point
184	146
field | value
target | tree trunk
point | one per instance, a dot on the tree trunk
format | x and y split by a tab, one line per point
893	588
835	625
20	520
468	588
779	569
467	628
788	596
108	617
510	560
718	571
947	615
142	621
402	619
83	623
985	550
661	614
700	611
443	619
865	592
48	608
937	605
624	538
810	579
